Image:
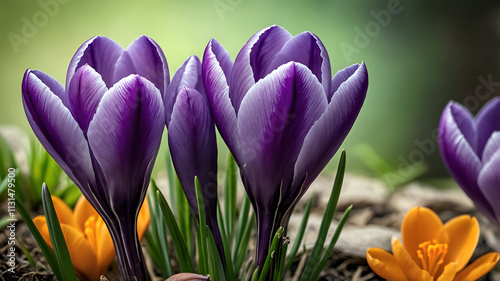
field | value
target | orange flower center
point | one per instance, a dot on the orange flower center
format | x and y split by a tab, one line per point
91	228
432	254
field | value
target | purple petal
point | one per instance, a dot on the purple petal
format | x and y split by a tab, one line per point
147	60
253	60
487	121
458	154
307	49
216	67
263	115
492	147
489	184
193	146
125	136
53	85
274	119
101	53
192	142
85	93
188	75
328	133
56	129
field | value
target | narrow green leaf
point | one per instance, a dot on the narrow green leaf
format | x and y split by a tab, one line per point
230	193
334	239
240	228
184	219
243	246
326	220
159	229
281	268
229	270
172	179
26	253
46	250
56	236
3	185
214	262
299	236
270	254
177	238
202	247
255	275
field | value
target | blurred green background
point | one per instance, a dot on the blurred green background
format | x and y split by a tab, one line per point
419	55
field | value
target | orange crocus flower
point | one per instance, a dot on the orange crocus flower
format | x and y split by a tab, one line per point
432	251
89	243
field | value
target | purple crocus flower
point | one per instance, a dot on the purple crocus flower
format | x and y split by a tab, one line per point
281	115
470	148
104	130
192	141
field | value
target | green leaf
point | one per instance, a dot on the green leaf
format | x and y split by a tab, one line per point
184	219
214	262
328	251
240	230
255	275
26	253
270	254
243	247
56	236
202	247
172	179
326	220
230	193
46	250
229	270
299	236
281	267
183	256
159	232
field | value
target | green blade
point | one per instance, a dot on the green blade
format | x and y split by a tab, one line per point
46	250
271	254
326	220
328	251
183	256
230	192
56	236
202	246
299	236
214	263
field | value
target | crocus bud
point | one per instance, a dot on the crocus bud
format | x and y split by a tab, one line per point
192	141
470	148
188	277
282	116
104	130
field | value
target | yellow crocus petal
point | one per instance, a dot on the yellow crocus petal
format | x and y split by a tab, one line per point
41	224
143	219
419	225
478	268
63	211
412	271
82	255
83	211
463	237
449	272
384	265
105	247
